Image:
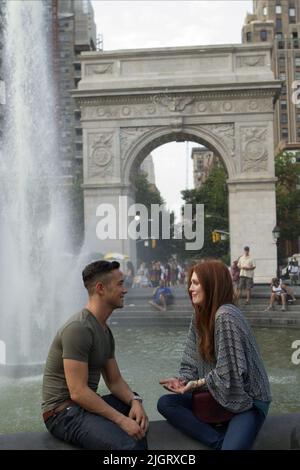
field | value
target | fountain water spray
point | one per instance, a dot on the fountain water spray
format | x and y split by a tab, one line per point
33	232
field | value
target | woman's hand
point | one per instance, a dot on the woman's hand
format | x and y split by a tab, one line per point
192	385
173	384
176	385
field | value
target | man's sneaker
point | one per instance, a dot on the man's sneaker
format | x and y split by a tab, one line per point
270	307
283	309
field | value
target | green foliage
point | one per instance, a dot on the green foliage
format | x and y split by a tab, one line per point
214	195
287	196
148	194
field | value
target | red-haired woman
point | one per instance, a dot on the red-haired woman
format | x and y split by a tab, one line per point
221	356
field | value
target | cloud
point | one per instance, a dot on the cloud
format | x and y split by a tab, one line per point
139	24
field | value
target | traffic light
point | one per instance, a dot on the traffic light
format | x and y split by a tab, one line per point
153	243
216	237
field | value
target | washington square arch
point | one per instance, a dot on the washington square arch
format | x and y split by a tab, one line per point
223	97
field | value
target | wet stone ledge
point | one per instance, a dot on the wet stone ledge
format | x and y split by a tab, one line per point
279	432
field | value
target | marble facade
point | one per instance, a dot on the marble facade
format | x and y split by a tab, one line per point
223	97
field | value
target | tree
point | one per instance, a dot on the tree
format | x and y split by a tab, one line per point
214	195
287	195
147	194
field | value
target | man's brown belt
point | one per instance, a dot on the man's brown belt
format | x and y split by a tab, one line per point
57	409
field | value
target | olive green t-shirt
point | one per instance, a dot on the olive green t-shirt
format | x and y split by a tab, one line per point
81	338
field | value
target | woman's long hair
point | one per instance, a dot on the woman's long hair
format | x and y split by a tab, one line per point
216	282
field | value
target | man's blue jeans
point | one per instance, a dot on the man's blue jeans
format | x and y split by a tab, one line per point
90	431
238	434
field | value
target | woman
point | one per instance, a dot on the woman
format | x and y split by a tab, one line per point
279	292
222	356
235	275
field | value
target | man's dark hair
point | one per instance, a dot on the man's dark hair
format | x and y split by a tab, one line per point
98	271
246	248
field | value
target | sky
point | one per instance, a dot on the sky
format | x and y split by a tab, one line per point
141	24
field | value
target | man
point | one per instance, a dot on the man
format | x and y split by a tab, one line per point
293	269
82	350
162	297
246	265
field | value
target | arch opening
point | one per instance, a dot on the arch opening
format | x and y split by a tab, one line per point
146	144
206	172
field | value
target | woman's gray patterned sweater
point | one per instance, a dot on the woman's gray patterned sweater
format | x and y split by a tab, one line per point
238	376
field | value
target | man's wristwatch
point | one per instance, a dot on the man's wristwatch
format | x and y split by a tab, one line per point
137	397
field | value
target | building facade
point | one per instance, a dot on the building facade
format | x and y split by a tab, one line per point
203	161
278	22
73	31
152	98
147	167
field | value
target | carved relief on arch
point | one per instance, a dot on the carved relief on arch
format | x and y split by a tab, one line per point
98	69
254	149
173	103
100	154
250	60
225	133
249	105
130	135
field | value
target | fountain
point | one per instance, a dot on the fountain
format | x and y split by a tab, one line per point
33	212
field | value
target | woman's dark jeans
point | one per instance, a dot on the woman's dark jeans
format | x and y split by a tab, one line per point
90	431
238	434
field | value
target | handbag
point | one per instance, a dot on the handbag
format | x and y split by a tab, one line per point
207	409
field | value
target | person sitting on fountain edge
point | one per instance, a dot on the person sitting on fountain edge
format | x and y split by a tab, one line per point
82	350
221	358
162	297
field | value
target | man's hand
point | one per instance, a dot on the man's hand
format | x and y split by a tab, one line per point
137	413
132	428
173	384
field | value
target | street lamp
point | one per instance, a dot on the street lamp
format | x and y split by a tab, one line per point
276	236
276	232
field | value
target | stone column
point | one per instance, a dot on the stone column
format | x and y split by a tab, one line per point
104	191
105	212
252	208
